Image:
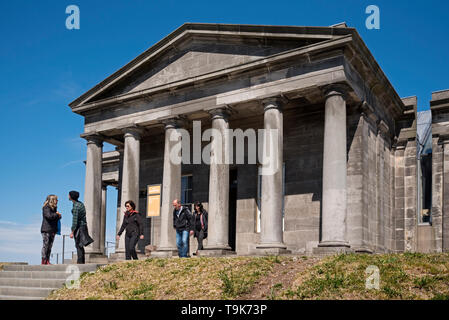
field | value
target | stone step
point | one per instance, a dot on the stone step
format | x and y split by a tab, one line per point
115	257
56	267
25	291
20	298
34	283
34	274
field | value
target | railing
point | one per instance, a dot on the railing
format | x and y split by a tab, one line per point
109	244
58	255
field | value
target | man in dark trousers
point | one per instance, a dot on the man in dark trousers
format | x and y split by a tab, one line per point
182	222
79	225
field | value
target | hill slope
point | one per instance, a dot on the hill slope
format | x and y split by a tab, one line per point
402	276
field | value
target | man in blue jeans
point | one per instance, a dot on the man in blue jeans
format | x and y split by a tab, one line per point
182	222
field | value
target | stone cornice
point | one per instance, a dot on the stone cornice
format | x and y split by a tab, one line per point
221	30
259	63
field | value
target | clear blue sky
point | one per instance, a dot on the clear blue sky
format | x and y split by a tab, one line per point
44	66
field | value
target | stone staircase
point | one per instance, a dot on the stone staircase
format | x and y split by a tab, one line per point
36	282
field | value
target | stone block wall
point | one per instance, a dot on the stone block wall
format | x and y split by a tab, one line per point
303	158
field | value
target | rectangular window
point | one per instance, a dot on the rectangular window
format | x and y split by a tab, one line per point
186	190
425	188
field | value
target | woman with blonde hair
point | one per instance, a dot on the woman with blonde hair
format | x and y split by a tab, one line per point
50	218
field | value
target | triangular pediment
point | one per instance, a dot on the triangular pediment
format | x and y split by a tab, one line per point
198	49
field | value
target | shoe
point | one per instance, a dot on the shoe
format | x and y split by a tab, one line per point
48	262
44	261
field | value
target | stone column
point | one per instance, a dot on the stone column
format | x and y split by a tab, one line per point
218	223
171	190
92	193
103	218
271	233
334	200
130	175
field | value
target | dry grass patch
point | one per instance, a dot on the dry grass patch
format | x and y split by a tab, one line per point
171	279
408	276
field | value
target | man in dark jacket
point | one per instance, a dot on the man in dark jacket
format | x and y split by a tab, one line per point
182	222
79	226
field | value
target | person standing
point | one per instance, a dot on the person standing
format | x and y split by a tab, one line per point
50	218
79	225
133	223
182	222
200	225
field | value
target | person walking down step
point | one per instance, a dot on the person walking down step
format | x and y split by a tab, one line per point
49	228
200	225
133	223
79	227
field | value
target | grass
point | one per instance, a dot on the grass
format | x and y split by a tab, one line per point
172	279
405	276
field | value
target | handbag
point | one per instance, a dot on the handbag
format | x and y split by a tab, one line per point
58	232
84	238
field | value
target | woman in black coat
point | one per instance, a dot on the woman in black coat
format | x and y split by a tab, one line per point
50	218
199	225
133	223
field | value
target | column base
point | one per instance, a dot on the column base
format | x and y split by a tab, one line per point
215	252
92	258
164	253
271	249
336	244
331	250
362	250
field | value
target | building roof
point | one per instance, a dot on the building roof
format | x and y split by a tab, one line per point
335	36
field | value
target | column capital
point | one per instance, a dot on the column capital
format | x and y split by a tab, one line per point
220	112
133	131
336	89
173	123
93	139
275	102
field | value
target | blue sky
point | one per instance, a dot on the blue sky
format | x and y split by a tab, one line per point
44	66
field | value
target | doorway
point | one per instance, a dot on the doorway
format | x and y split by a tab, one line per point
232	207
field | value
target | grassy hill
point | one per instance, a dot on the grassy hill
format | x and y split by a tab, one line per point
402	276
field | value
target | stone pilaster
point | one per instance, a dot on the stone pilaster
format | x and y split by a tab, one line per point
334	200
444	222
271	233
410	197
130	175
218	223
171	190
399	196
103	218
92	193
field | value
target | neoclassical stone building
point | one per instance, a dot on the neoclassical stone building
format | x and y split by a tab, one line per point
348	144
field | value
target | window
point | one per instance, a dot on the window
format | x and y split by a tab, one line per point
186	190
425	188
